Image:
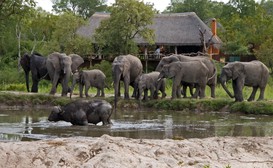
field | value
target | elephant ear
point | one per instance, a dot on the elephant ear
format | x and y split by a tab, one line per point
25	62
76	62
125	67
54	60
238	70
172	69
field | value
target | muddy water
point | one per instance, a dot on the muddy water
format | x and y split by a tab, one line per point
26	125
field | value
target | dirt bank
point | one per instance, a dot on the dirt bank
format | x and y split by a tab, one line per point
119	152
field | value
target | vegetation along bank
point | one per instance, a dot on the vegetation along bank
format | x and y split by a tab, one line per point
11	100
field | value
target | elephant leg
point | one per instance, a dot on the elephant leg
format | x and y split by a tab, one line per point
153	93
119	89
238	90
81	89
54	83
87	86
102	92
178	91
145	94
34	87
174	90
261	97
253	93
212	90
126	91
98	93
163	92
202	91
196	93
184	91
191	89
126	87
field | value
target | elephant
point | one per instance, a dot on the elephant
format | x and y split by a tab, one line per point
60	67
89	78
195	72
150	82
36	64
126	68
254	74
82	112
182	58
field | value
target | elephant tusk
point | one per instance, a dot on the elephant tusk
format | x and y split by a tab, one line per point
159	79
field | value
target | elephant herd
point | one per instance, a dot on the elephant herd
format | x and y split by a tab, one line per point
193	72
185	71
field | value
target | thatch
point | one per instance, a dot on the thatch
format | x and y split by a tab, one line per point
174	29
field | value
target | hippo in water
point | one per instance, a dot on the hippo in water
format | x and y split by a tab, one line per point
82	112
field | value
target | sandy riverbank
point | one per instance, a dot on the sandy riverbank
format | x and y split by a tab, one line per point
119	152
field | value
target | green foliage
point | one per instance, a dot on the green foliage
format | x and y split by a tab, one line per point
84	8
205	9
65	33
265	53
14	7
128	19
11	75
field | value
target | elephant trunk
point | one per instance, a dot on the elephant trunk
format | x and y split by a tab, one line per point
116	88
66	79
71	89
225	88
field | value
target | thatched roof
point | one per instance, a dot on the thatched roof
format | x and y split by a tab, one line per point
174	29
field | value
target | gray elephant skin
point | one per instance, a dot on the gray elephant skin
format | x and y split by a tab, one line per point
195	72
82	112
89	78
149	82
126	68
36	64
60	68
254	74
182	58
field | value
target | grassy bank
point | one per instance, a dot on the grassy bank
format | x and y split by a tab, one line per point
204	105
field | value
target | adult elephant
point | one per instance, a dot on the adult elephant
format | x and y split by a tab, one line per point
60	67
150	82
36	64
182	58
254	74
126	68
89	78
195	72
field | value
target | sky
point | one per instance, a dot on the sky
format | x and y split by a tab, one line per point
158	4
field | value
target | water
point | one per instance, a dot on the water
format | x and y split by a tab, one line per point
28	125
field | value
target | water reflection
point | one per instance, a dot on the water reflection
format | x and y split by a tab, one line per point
33	125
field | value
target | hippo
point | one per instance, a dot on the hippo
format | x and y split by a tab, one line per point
82	112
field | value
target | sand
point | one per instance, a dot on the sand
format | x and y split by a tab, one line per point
120	152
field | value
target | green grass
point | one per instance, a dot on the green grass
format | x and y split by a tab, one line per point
15	82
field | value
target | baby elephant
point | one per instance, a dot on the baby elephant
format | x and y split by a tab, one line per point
95	78
82	112
150	82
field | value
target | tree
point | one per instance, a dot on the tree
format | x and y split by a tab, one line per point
65	38
205	9
264	53
129	19
85	8
14	7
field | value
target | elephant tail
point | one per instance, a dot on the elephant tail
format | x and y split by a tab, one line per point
214	74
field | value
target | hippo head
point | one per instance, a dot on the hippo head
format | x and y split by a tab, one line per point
55	114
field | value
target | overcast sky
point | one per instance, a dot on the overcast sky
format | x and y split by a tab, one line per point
158	4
